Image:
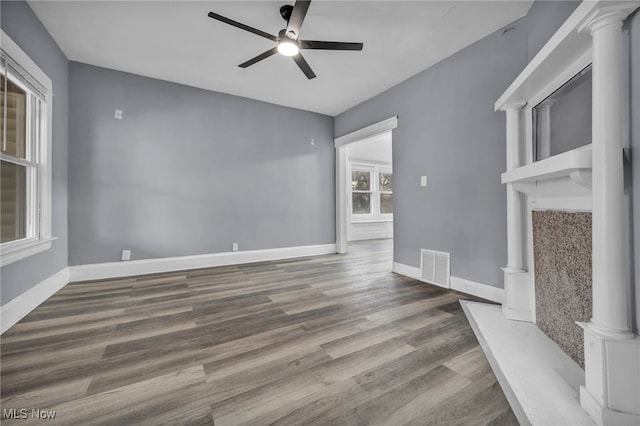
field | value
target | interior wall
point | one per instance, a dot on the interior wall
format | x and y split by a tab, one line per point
448	131
21	24
543	19
633	24
189	171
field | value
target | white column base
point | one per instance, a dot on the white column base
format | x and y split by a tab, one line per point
519	301
611	395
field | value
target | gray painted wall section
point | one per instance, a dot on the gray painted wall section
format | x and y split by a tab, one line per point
543	19
447	130
189	171
634	29
24	28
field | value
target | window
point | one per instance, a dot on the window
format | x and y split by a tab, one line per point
25	134
371	192
361	192
386	195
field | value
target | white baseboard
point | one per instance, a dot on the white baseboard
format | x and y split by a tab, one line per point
406	270
168	264
16	309
459	284
484	291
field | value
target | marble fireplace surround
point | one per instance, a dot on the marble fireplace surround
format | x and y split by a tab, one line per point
543	384
562	264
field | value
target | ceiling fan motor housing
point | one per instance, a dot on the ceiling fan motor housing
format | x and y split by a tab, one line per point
285	12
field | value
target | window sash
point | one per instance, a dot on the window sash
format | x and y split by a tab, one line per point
34	110
374	191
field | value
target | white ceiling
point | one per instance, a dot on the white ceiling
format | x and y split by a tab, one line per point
176	41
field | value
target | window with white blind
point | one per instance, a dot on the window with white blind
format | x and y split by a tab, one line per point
25	151
371	192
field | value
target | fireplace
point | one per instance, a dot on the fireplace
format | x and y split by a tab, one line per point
562	265
566	253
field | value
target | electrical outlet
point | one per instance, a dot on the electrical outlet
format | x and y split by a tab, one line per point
235	246
118	114
126	254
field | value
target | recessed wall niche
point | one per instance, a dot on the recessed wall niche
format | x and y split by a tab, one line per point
563	278
562	121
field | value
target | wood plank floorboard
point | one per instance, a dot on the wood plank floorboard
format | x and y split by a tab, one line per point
336	339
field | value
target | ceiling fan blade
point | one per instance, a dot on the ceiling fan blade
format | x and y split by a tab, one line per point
304	66
242	26
329	45
297	17
259	57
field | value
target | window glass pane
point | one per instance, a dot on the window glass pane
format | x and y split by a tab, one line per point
361	181
15	117
386	203
385	182
361	203
13	196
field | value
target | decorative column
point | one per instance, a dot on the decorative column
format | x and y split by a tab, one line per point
514	201
611	394
517	282
543	134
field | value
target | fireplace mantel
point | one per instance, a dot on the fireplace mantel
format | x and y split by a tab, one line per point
561	182
574	165
589	178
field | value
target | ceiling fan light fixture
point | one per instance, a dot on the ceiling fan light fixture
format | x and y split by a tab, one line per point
288	48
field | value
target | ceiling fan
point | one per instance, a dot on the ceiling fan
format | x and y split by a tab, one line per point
288	43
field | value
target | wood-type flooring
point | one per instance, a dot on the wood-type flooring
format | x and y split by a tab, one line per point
335	339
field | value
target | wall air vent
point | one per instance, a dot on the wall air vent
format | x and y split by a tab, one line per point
435	267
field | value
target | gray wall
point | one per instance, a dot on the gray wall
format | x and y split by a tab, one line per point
633	24
189	171
447	130
22	25
543	19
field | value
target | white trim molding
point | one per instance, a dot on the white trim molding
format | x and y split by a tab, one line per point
462	285
16	309
169	264
14	251
368	132
406	270
484	291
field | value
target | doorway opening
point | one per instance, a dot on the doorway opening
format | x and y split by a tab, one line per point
364	185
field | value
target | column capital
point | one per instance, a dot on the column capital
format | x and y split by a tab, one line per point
512	106
546	104
608	14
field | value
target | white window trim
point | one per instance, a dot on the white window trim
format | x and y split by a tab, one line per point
375	168
14	251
